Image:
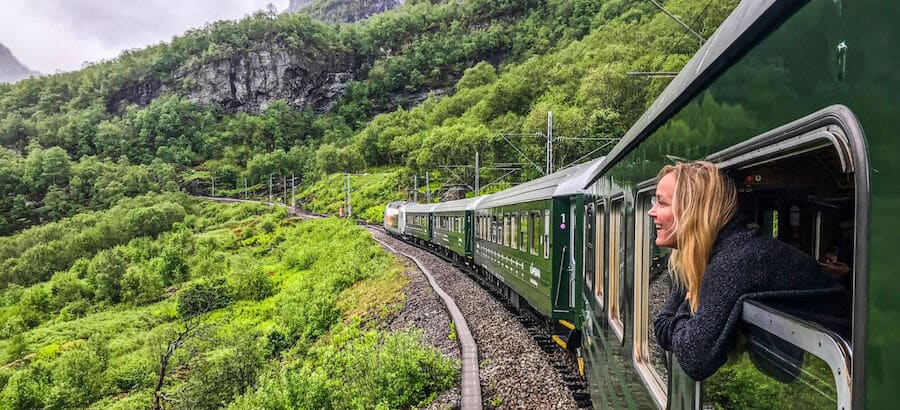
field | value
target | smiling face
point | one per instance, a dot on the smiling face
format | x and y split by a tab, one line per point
663	212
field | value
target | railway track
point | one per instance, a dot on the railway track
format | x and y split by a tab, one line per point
567	380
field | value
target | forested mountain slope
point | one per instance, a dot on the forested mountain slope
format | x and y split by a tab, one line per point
118	291
239	102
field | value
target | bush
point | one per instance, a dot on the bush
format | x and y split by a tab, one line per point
143	283
78	376
22	391
307	313
248	281
133	371
358	371
202	297
223	375
105	273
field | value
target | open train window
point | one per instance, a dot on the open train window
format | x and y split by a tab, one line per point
806	184
652	285
616	258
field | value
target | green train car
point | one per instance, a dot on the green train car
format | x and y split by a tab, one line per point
527	238
453	232
418	222
796	101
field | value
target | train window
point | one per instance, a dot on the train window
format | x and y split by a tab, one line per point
514	231
616	249
535	229
523	231
652	285
494	229
589	238
599	246
506	230
546	238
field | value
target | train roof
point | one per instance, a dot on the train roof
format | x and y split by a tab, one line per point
567	182
396	204
734	38
466	204
420	208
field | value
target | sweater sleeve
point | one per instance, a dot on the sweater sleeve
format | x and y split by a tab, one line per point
664	323
701	342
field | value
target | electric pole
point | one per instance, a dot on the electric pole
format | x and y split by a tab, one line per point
415	188
349	207
477	171
270	189
427	188
549	143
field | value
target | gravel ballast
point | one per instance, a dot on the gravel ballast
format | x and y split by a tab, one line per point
515	372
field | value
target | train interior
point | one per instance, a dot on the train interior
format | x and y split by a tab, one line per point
804	199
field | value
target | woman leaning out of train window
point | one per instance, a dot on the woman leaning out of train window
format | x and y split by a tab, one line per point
719	262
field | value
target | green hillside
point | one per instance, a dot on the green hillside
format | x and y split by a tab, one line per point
261	303
106	261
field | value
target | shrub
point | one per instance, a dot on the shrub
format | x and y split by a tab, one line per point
223	375
143	283
22	391
133	371
78	376
202	297
105	273
248	281
306	313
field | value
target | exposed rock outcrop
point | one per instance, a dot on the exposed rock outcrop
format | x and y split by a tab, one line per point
342	11
11	70
249	82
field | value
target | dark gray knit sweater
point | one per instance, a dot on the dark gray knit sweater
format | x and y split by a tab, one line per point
746	265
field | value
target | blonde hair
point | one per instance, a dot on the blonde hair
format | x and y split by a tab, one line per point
704	200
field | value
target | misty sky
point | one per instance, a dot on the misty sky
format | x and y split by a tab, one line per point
52	35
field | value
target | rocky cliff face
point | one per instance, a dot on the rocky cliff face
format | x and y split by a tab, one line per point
250	81
11	70
342	11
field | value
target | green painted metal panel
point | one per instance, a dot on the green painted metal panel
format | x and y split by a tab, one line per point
528	274
828	52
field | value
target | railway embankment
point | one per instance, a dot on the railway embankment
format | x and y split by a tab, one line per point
514	371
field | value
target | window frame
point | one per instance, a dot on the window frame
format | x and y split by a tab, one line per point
641	356
600	249
615	261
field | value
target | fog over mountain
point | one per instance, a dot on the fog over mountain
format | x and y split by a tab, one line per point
11	70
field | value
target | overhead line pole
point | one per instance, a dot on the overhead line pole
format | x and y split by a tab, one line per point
477	176
549	143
